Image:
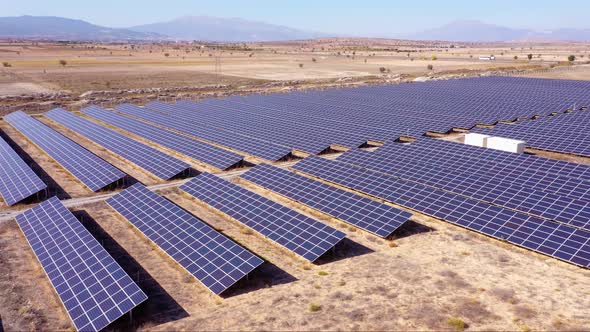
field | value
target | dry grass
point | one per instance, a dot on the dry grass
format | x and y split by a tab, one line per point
456	323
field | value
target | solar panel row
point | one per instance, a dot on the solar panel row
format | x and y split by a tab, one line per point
17	179
304	236
213	259
367	214
546	237
200	151
154	161
92	171
92	287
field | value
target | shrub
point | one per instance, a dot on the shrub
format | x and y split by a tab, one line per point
314	60
434	58
382	69
63	63
323	273
6	64
314	307
166	54
457	323
571	58
430	67
530	56
300	65
516	57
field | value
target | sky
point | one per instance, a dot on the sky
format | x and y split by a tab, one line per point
371	18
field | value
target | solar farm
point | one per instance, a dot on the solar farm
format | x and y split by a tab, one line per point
340	209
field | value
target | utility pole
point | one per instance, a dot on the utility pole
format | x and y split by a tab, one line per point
218	69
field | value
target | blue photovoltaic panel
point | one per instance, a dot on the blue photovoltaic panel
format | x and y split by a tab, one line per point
154	161
212	258
93	288
92	171
206	153
17	180
546	237
367	214
304	236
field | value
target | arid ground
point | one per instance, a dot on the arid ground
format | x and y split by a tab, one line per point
107	73
430	276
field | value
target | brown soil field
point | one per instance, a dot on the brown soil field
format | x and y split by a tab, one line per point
35	67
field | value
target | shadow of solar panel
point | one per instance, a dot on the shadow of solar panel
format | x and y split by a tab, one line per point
154	161
374	217
93	288
17	180
304	236
212	258
546	237
204	152
92	171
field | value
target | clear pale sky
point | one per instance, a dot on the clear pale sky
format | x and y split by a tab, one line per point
359	17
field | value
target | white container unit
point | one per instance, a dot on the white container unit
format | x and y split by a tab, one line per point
506	144
476	139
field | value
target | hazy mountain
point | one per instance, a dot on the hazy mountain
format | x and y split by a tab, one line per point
476	31
225	29
49	27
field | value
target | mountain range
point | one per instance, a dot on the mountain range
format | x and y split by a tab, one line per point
206	28
477	31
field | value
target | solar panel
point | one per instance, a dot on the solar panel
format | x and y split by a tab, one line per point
208	154
546	237
304	236
92	171
212	258
374	217
17	180
92	287
154	161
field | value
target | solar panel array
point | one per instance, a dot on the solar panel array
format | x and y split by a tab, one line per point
212	258
562	133
92	287
546	237
301	235
367	214
92	171
313	121
154	161
244	144
17	179
534	192
200	151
